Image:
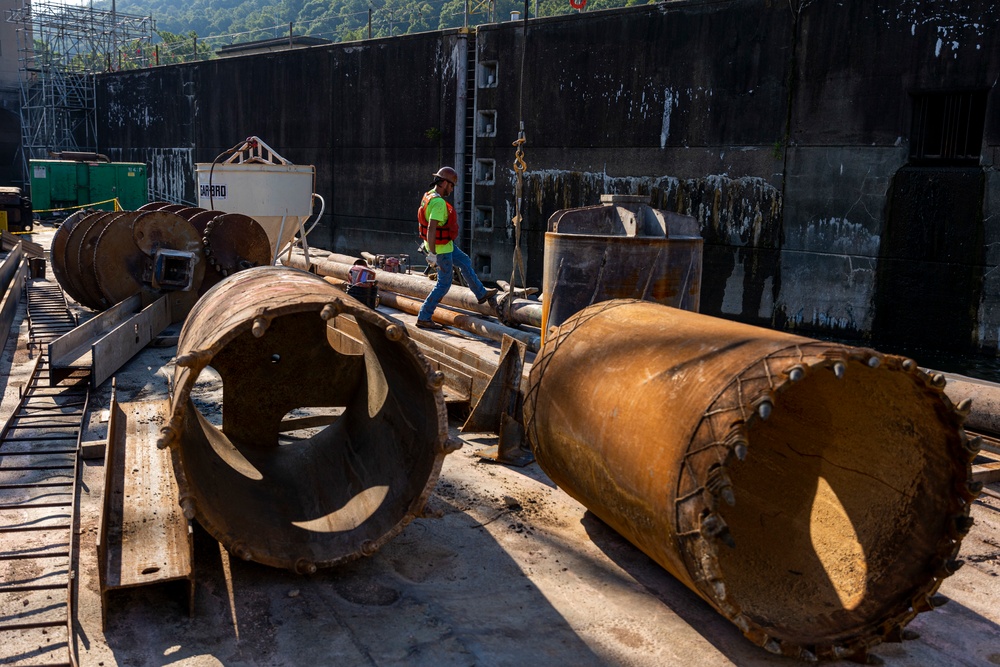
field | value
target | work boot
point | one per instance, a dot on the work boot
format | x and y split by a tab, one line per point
490	294
428	324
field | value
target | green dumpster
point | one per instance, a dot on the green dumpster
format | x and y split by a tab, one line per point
69	184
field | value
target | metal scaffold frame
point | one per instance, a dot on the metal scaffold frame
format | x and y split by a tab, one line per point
59	48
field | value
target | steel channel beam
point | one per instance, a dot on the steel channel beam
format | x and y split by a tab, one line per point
12	277
145	540
72	346
111	351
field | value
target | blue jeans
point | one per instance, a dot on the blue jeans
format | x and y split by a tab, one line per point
447	262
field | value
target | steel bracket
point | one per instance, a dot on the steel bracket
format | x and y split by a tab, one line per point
500	408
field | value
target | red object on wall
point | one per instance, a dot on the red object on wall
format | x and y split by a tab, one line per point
577	4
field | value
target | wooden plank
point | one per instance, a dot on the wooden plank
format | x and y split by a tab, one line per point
92	449
73	345
986	467
112	351
31	249
144	538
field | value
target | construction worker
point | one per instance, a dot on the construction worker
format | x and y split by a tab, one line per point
437	220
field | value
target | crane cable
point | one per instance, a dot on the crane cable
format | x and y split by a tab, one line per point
517	268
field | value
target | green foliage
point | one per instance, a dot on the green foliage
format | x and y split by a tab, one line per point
217	23
778	150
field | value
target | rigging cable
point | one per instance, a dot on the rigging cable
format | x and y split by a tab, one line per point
517	268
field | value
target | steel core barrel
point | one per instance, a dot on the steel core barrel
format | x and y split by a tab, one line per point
814	494
328	444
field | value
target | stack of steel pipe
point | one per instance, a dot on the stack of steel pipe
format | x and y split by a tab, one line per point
816	495
329	444
522	311
101	258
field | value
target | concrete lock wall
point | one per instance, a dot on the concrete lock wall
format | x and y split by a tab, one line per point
786	134
376	118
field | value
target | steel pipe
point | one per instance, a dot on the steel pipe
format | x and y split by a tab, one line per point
477	325
329	445
523	311
816	495
980	399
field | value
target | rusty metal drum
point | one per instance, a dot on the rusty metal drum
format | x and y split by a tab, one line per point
622	249
814	494
328	444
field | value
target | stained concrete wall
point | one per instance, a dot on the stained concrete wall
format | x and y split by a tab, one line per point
781	133
858	64
683	101
376	118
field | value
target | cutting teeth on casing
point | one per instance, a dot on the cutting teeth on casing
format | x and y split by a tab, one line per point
329	312
963	524
765	407
973	445
259	327
394	332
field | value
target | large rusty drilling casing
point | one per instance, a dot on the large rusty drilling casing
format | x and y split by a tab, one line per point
323	498
815	494
103	258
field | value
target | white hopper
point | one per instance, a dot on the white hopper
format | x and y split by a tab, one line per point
257	182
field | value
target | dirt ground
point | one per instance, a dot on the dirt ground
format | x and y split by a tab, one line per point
513	572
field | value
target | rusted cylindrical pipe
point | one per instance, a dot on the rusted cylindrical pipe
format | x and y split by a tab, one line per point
816	495
980	400
481	327
328	446
523	311
471	323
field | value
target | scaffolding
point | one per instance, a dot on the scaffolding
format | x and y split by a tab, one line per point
60	48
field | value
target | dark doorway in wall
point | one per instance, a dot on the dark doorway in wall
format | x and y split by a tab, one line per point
930	265
929	278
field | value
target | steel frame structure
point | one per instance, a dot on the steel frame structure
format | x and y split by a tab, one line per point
60	48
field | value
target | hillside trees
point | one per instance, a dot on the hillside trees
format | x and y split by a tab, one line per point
220	22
